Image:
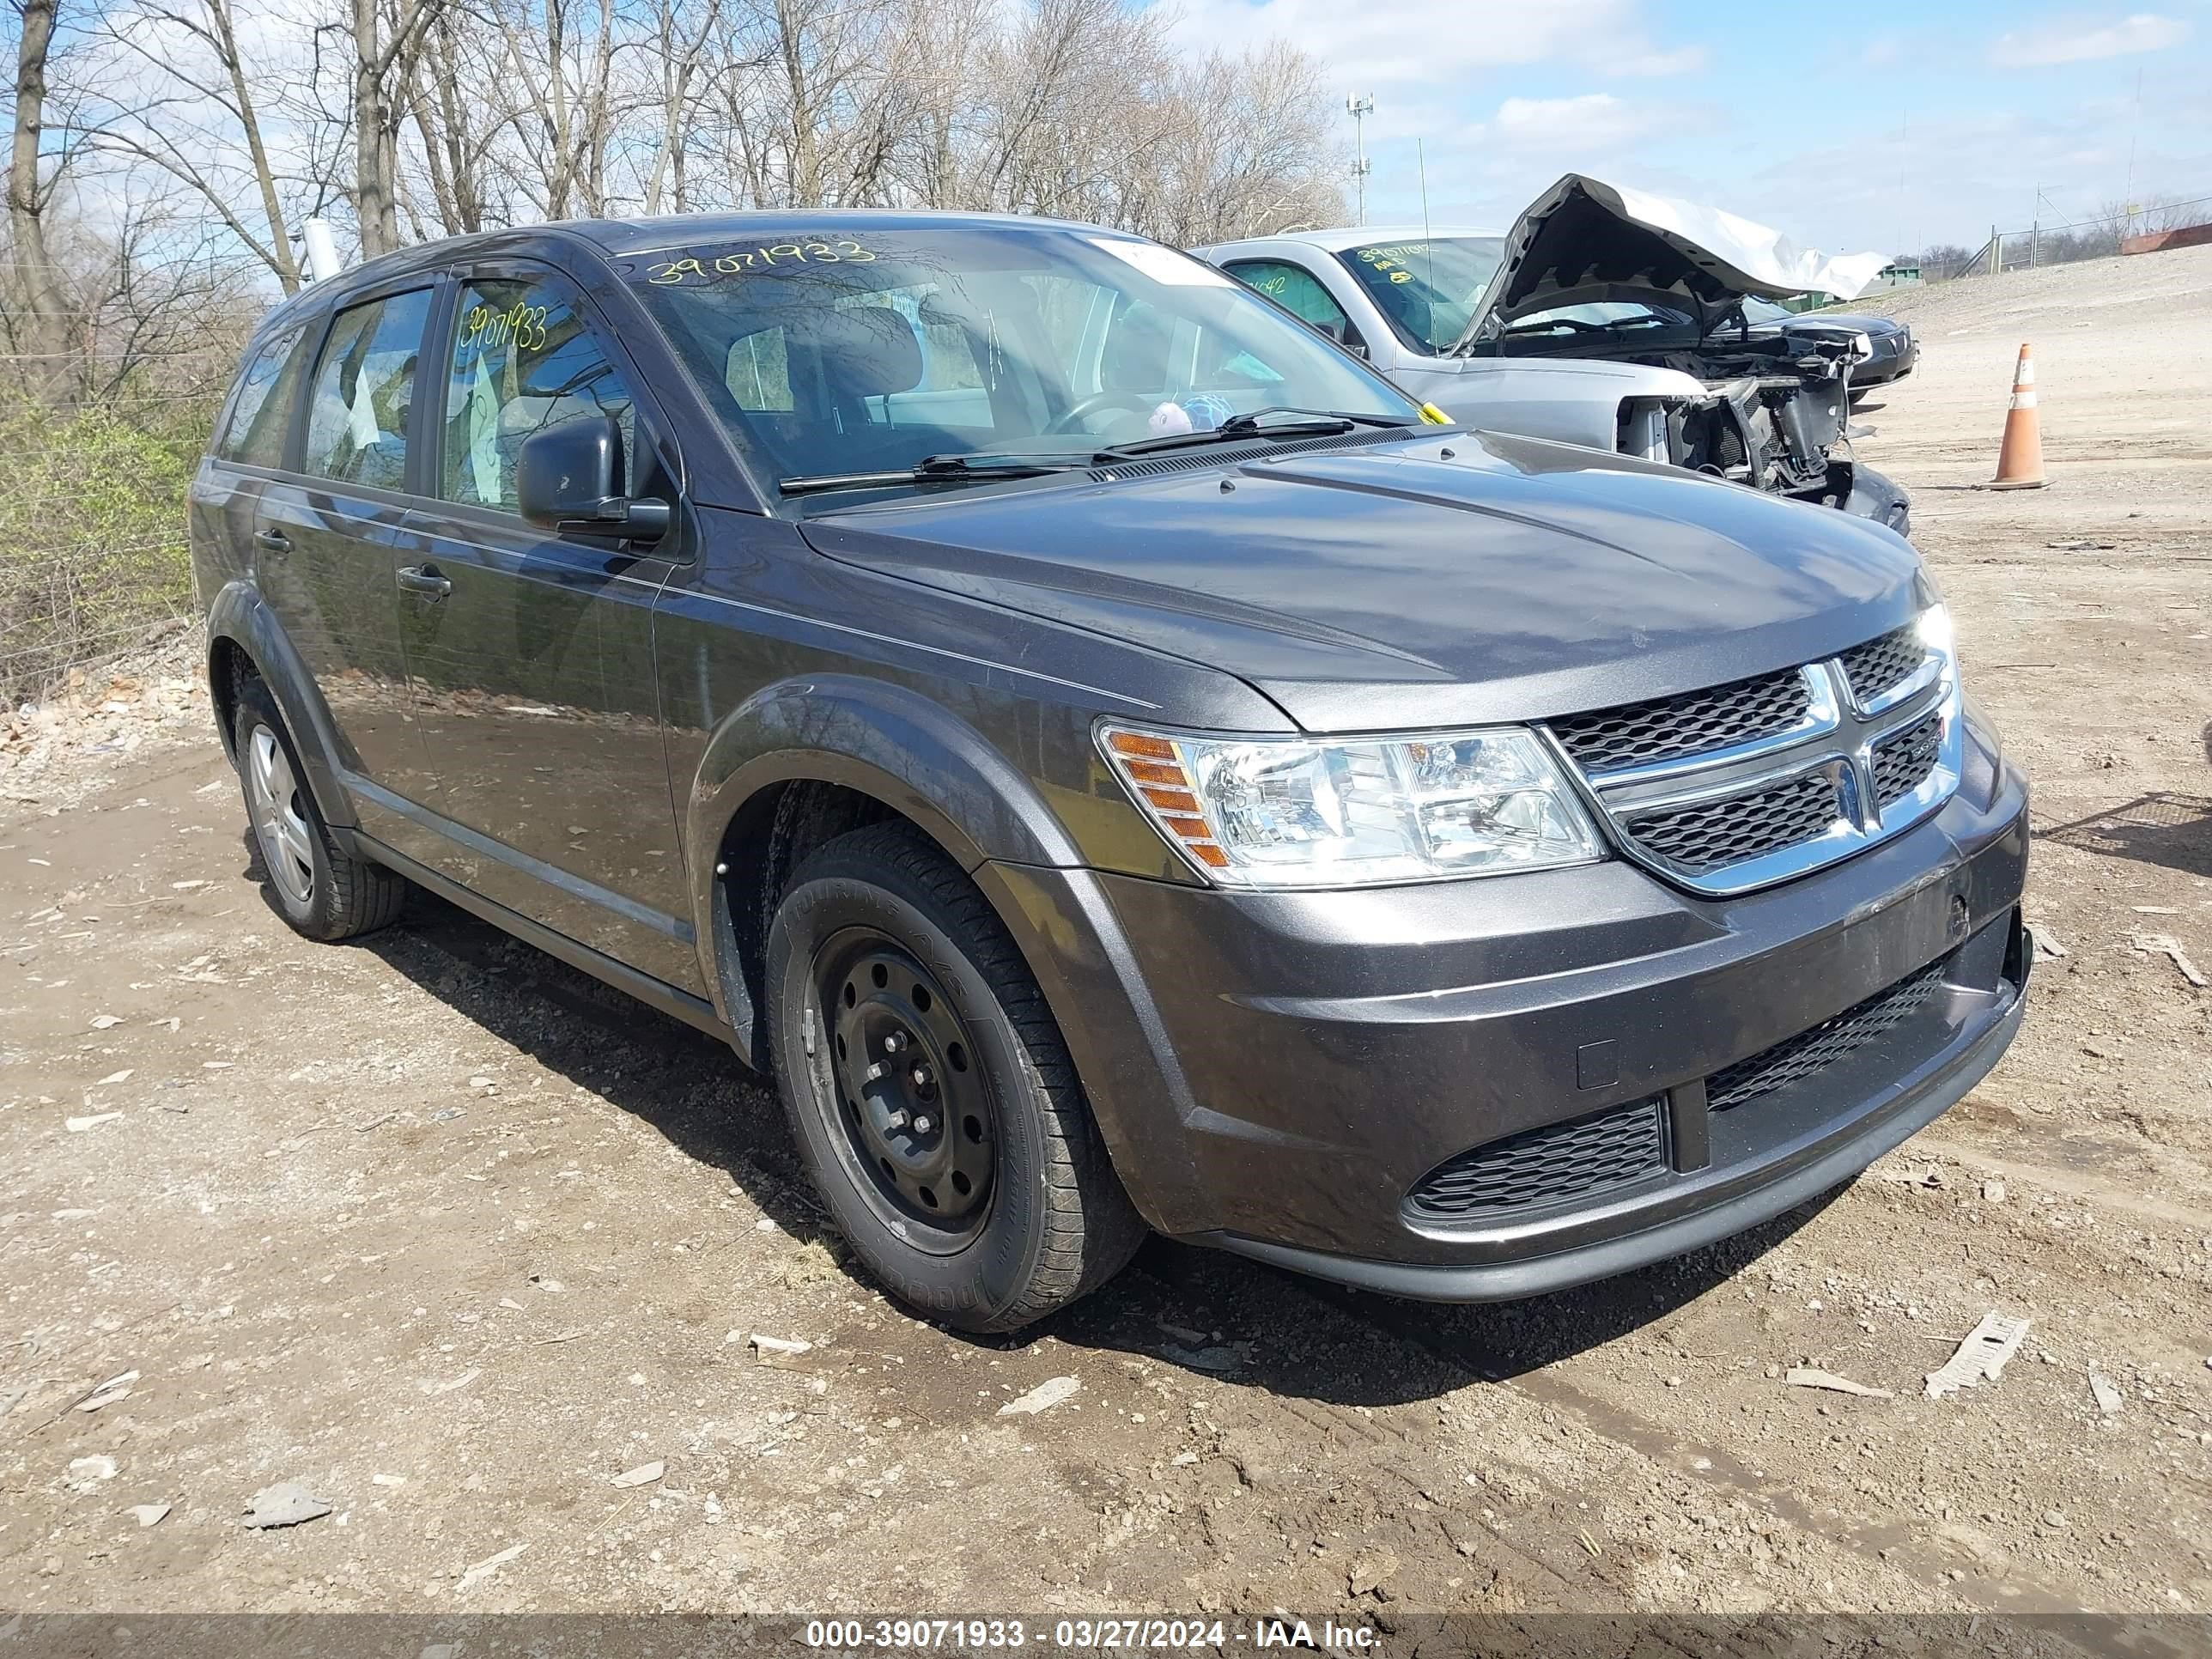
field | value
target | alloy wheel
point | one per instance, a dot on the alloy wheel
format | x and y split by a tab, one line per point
280	822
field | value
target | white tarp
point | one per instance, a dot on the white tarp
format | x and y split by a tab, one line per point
1754	254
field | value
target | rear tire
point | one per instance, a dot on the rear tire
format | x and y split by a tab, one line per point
321	891
930	1090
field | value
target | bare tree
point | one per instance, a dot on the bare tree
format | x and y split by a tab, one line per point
44	336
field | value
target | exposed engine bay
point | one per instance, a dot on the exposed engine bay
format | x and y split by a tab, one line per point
1596	273
1773	414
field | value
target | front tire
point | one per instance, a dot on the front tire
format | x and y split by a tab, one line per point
321	891
930	1092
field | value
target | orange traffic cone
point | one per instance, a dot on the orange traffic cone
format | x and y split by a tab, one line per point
2019	456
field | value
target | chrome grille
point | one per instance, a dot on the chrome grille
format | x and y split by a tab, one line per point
1879	664
1669	727
1714	835
1753	782
1558	1164
1814	1051
1902	761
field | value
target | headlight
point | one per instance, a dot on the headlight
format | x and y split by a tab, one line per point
1935	628
1303	812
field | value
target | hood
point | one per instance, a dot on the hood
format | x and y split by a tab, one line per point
1584	241
1395	589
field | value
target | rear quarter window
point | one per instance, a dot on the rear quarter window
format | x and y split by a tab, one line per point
261	411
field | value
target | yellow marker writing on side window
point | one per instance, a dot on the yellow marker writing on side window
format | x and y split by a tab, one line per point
1434	416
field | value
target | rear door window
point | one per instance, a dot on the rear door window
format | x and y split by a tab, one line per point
524	359
1298	291
364	388
261	414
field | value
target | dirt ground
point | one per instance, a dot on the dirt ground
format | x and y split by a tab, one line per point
458	1240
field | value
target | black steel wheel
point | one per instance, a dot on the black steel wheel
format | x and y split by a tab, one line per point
930	1090
919	1126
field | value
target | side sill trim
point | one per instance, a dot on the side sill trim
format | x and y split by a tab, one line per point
655	993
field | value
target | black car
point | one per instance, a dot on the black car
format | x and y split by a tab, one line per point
1107	757
1892	353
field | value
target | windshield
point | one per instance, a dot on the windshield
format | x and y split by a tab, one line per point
1428	290
872	349
1757	311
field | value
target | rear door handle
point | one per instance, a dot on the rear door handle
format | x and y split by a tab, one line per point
424	580
276	541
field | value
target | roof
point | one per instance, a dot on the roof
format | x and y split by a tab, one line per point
1348	236
621	239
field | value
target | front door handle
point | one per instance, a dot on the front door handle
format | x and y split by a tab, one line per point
274	541
424	580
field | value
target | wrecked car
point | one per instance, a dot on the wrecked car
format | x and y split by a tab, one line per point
1604	317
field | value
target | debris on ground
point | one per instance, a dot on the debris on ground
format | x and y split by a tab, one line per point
2106	1394
1930	1179
287	1504
643	1475
2165	945
2046	943
78	1126
1373	1569
1809	1376
765	1347
1993	1192
1043	1398
115	1389
491	1564
86	1472
1981	1357
2081	545
148	1514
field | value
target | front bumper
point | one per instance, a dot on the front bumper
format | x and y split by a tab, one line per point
1276	1073
1889	367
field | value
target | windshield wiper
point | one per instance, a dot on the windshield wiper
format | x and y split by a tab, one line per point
934	469
1303	424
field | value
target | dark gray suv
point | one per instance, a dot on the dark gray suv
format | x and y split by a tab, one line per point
1110	757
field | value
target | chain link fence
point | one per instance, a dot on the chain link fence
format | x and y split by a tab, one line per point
2063	244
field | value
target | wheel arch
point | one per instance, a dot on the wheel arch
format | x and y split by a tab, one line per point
245	637
806	760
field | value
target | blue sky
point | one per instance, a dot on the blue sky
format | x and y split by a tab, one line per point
1878	125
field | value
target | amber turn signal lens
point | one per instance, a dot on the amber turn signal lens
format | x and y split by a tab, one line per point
1151	769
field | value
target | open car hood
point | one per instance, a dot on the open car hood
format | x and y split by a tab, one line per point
1583	241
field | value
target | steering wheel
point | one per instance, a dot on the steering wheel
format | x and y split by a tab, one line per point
1135	403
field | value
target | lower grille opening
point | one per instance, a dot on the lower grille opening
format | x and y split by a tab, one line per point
1558	1164
1810	1053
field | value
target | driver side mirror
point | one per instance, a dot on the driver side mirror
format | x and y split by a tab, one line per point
1343	334
564	479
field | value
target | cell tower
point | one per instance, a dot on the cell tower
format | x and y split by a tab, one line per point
1359	109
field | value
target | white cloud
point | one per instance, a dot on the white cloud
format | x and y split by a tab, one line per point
1595	121
1426	51
2080	40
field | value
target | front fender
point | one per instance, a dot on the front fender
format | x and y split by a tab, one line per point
240	616
881	739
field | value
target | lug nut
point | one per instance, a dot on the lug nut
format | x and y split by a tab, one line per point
896	1119
921	1077
921	1124
894	1042
877	1072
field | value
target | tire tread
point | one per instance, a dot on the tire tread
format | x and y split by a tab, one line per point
1092	1230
